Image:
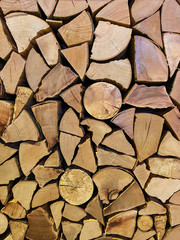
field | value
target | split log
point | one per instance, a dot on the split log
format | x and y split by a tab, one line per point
121	203
49	48
41	225
77	31
5	194
139	10
56	210
35	69
43	174
110	41
36	151
172	53
9	171
6	113
17	24
76	186
125	120
118	142
54	24
94	208
174	94
118	72
116	12
66	9
68	144
5	40
145	223
106	157
142	174
165	150
23	99
23	128
47	115
6	152
70	124
85	157
152	208
102	100
123	224
73	213
59	78
140	235
98	128
146	53
47	6
166	167
175	199
170	16
71	230
18	229
3	223
148	97
23	6
160	226
91	229
53	160
14	210
96	6
110	181
162	188
172	233
173	214
23	192
145	28
72	96
173	120
46	194
13	73
147	133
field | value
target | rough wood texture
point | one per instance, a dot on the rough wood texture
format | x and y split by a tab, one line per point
174	218
47	6
6	113
56	210
71	230
18	229
172	233
96	6
110	41
160	225
73	213
5	193
175	89
152	208
142	174
53	160
175	199
140	235
14	210
173	121
54	24
145	223
91	229
3	223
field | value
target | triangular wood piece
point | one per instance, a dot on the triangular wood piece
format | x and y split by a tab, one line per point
123	224
162	188
70	124
147	133
153	208
115	42
96	6
142	174
73	213
72	96
121	203
14	210
5	194
6	113
118	142
66	9
87	233
140	235
36	151
170	16
110	181
116	11
174	94
172	233
98	128
148	97
71	230
59	78
172	50
47	6
175	199
145	53
174	218
125	120
24	97
55	24
160	226
77	31
165	149
118	72
94	208
85	156
81	53
18	229
49	125
56	210
173	120
53	160
145	27
22	128
6	152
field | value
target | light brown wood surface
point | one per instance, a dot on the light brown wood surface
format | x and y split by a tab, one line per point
18	229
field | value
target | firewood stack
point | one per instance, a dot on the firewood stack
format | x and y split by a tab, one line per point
89	119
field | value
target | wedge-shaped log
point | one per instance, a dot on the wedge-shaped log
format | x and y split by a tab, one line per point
152	208
110	181
56	210
6	113
175	199
87	233
71	230
96	6
53	160
174	218
47	6
18	229
140	235
173	120
110	41
5	193
142	174
172	233
73	213
14	210
160	226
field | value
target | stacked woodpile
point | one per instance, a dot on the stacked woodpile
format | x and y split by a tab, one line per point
89	119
